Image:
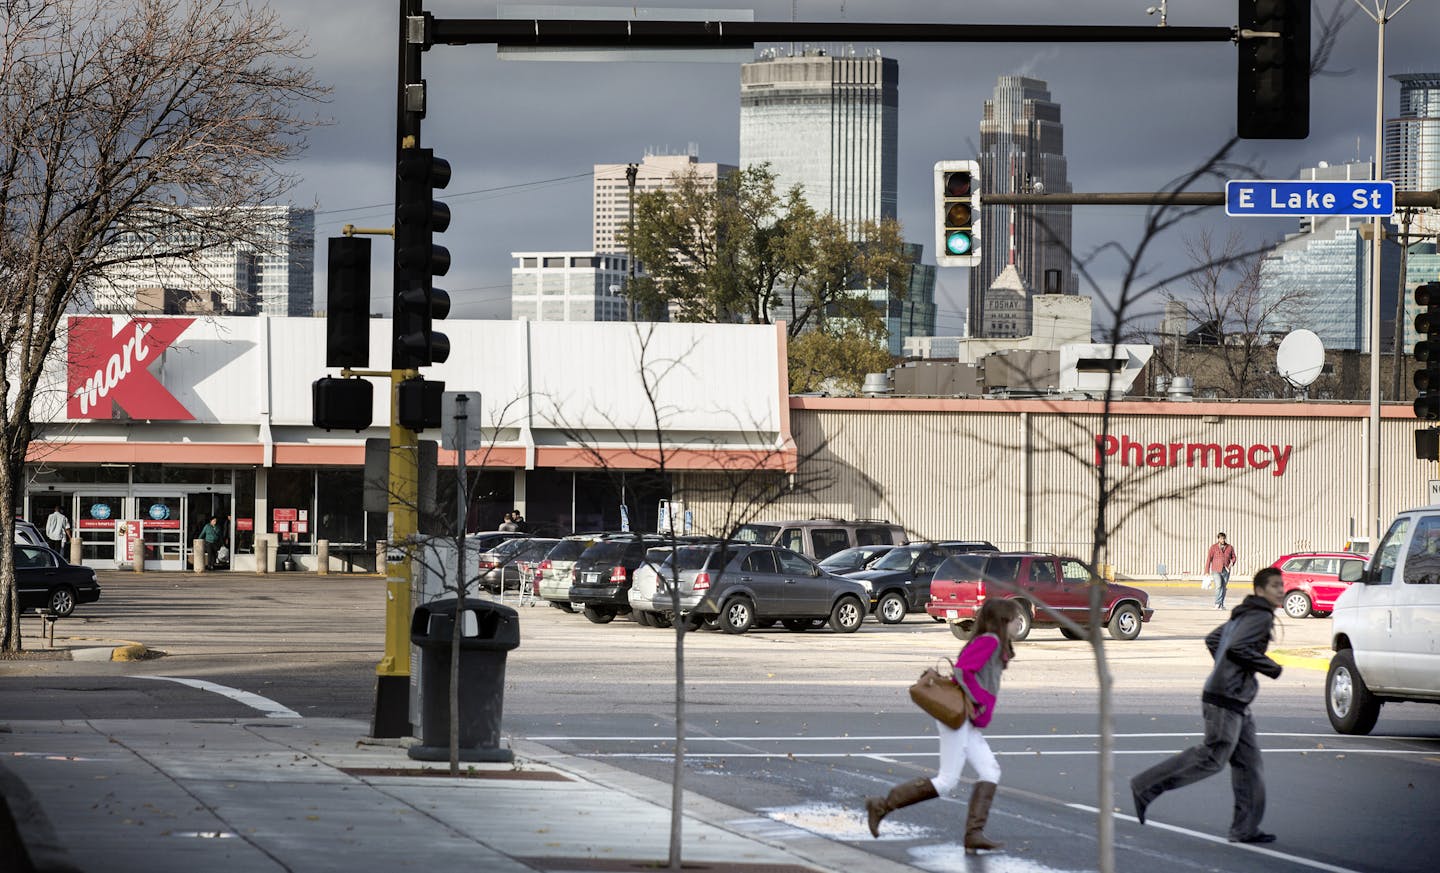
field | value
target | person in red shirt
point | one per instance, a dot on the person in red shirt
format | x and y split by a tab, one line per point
1218	561
977	670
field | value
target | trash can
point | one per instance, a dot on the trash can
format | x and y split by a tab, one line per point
488	630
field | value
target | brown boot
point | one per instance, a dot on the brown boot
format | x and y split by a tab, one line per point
904	794
975	838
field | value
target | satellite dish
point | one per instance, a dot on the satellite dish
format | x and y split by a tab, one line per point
1300	358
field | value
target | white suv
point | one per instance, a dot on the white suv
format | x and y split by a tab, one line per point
1385	629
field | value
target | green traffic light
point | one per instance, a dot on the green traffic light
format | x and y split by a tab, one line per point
958	242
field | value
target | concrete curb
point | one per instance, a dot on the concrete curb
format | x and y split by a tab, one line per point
115	650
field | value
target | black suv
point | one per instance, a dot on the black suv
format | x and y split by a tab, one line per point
600	579
899	581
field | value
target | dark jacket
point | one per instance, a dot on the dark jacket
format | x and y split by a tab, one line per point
1238	647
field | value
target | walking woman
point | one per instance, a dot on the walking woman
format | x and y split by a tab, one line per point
978	671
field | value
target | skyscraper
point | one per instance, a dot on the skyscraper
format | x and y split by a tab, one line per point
827	123
1412	141
1319	278
831	124
271	273
612	190
1022	150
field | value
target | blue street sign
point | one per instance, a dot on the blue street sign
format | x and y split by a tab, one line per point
1266	198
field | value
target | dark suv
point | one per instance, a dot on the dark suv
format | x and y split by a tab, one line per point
600	579
964	581
741	585
899	581
820	538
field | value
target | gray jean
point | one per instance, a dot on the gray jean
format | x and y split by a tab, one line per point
1222	581
1229	736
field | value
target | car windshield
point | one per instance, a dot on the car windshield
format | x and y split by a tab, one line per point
692	558
757	533
606	551
846	559
568	550
896	559
510	547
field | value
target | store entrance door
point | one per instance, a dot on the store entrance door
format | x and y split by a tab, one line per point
200	507
98	518
163	536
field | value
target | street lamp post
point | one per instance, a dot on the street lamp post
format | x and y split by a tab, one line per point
1380	14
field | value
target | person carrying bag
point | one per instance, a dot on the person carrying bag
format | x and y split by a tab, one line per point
977	673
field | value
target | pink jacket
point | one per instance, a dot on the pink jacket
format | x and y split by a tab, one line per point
976	654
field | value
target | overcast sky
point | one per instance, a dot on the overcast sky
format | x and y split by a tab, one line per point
522	137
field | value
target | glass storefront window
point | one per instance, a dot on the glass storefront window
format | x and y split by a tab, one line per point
339	503
292	501
245	512
110	474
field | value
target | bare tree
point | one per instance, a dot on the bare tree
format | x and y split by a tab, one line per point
130	132
742	482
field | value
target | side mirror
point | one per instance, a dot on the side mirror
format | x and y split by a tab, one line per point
1352	571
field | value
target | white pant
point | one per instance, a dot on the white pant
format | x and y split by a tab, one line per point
958	746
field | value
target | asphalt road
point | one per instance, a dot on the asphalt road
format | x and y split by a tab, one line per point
798	726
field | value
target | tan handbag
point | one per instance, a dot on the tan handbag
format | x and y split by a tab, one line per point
945	701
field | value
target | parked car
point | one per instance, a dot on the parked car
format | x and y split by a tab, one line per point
819	538
553	579
485	540
600	578
1312	580
500	568
26	533
741	585
964	581
899	582
1385	627
854	559
44	580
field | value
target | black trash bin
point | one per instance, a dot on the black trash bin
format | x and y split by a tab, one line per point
495	631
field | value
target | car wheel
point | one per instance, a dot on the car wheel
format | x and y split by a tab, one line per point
961	629
798	625
1125	623
1350	705
1027	621
643	618
936	618
1297	604
846	616
891	609
737	616
563	605
660	620
1069	634
62	601
599	616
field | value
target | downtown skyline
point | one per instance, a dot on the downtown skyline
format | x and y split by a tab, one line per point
1137	117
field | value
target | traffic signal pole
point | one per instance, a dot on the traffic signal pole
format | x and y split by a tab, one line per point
392	685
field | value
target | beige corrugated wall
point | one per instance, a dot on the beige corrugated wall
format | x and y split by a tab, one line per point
957	469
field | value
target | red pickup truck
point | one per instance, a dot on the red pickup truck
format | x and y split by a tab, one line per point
963	582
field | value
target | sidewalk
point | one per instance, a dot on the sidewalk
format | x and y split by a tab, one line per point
312	794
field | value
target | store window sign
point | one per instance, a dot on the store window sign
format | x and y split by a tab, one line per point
1130	452
100	510
107	367
159	511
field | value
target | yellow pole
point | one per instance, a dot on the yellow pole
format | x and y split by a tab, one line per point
392	708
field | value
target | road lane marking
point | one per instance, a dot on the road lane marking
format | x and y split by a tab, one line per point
1030	753
1211	838
254	701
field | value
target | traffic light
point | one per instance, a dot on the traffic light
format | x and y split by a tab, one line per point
957	213
347	302
341	404
418	217
1272	98
1427	352
419	402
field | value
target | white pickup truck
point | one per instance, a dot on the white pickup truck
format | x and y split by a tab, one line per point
1385	628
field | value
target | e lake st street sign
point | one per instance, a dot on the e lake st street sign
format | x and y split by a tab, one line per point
1262	198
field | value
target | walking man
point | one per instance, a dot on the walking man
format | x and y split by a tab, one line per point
1238	647
1218	562
57	529
210	533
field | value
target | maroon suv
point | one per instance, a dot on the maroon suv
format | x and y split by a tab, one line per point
963	582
